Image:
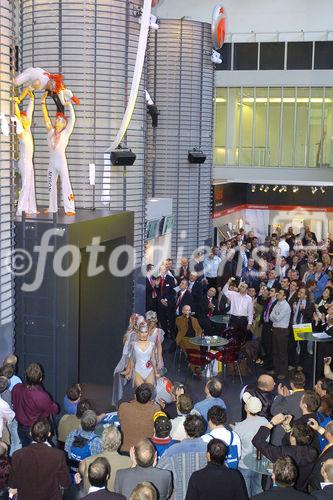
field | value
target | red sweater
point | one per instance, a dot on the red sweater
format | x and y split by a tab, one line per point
32	403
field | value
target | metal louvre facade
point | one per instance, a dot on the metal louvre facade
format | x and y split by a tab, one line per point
181	83
93	43
7	48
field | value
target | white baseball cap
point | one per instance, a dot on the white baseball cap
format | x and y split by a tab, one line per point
253	404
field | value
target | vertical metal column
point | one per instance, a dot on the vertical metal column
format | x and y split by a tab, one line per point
181	79
7	54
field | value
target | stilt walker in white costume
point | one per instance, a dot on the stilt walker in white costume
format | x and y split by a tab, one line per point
27	198
53	83
58	137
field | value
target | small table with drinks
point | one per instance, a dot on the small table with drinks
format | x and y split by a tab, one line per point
256	462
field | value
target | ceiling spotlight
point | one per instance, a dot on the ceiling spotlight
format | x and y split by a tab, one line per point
281	189
314	189
322	189
275	187
253	188
261	187
266	189
295	189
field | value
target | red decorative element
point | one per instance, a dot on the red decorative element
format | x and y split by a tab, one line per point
58	81
148	364
76	100
62	116
221	31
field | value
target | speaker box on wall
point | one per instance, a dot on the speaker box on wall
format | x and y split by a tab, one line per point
196	156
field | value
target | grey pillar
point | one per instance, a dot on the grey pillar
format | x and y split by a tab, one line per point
6	179
181	82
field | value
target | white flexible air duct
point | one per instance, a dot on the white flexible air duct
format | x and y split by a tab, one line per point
140	58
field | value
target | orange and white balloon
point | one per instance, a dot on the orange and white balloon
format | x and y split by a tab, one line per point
219	26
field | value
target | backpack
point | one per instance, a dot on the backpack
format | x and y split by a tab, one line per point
322	421
231	460
80	448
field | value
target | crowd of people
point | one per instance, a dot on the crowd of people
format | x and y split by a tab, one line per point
266	287
161	442
152	449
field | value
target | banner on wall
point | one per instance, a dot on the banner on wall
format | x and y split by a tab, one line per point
217	200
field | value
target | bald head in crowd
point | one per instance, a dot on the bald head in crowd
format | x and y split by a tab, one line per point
99	472
266	383
145	453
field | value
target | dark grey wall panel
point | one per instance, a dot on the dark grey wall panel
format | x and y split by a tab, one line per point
181	82
52	324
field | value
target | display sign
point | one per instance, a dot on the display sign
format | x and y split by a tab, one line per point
217	201
302	328
169	224
152	229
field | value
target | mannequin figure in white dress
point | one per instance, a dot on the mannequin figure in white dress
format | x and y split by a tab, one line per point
27	198
142	364
58	136
155	335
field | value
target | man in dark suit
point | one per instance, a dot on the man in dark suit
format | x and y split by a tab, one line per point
166	301
216	481
316	477
227	269
292	296
301	312
326	491
284	477
325	348
183	297
196	289
208	308
144	460
288	402
39	471
266	335
98	474
151	293
299	449
182	272
272	280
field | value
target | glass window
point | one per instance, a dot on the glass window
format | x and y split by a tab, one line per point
233	128
247	120
259	133
272	158
288	122
274	127
316	125
220	125
326	146
246	56
272	55
226	58
299	55
301	132
323	58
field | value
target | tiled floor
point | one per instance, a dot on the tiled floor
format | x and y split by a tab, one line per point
101	394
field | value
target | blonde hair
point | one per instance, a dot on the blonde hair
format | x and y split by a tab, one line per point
144	491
